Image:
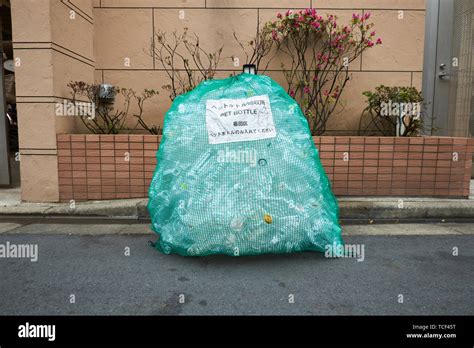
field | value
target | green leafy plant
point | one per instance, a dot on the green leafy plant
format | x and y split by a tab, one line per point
392	111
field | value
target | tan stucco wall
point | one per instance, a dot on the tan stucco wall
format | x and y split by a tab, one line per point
55	48
53	44
397	62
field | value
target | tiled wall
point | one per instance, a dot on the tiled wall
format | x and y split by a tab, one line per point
124	28
389	166
94	167
57	41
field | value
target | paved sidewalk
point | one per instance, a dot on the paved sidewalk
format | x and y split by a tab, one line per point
355	208
364	209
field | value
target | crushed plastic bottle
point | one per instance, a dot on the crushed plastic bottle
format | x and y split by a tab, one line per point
238	174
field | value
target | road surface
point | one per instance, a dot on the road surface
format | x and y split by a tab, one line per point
100	269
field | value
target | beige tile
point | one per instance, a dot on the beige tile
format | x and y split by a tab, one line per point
259	3
215	28
417	80
97	76
73	33
36	125
370	4
33	77
154	3
70	125
121	37
30	21
83	5
67	69
39	178
402	42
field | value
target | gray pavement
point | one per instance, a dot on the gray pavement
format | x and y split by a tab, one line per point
89	262
350	208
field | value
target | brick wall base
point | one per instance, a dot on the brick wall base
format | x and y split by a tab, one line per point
98	167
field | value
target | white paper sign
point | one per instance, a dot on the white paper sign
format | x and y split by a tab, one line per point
232	120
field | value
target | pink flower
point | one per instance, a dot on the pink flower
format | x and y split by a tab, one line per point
292	93
315	78
306	89
372	33
367	15
279	15
370	43
315	25
355	16
379	41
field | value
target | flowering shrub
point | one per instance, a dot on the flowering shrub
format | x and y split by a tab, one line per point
319	50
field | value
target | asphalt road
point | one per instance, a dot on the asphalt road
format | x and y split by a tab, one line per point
103	280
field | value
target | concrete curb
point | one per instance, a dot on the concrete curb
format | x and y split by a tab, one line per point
381	208
406	209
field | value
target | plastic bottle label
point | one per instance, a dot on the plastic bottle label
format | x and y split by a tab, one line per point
234	120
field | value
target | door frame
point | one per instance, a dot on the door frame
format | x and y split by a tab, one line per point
439	24
5	172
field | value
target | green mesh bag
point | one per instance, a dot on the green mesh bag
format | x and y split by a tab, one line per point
238	174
